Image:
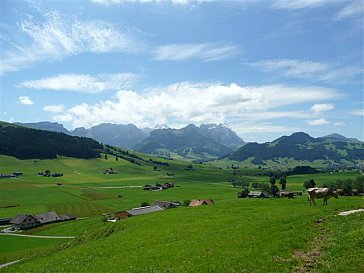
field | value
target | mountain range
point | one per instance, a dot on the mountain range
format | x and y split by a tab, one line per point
213	141
301	146
207	141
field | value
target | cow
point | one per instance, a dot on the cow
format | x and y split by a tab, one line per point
340	192
355	192
287	194
324	193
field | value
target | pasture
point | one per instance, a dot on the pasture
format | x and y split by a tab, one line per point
234	235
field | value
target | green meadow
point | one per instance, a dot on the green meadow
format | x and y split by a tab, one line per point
234	235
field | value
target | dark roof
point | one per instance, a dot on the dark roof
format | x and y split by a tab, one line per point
144	210
20	218
68	217
48	217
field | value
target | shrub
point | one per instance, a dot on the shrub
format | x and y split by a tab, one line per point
144	204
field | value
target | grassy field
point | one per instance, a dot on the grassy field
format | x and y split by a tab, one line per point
234	235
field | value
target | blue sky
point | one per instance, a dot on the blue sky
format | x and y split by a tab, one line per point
265	68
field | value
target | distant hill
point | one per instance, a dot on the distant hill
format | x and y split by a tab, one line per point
27	143
301	146
204	142
47	126
125	136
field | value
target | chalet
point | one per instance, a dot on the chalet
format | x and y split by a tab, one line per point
143	210
48	217
147	187
24	221
169	184
258	194
121	215
166	204
5	175
201	202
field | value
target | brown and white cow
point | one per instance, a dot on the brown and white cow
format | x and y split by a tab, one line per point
340	192
324	193
355	192
287	194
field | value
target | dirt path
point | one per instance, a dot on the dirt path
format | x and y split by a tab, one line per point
345	213
37	236
307	260
9	263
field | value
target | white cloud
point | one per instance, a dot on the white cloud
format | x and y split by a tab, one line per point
57	37
25	100
339	123
54	108
322	107
83	83
263	128
318	122
205	52
358	112
63	117
185	103
315	71
299	4
352	10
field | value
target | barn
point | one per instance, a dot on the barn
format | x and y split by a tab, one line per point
201	202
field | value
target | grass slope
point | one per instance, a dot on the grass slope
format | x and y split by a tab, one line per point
235	235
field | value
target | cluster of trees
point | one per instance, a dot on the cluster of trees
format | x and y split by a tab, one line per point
347	185
26	143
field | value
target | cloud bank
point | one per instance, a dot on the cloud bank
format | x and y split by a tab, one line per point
183	103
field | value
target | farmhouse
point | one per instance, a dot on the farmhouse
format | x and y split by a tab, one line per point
143	210
166	204
258	194
24	221
47	217
68	217
201	202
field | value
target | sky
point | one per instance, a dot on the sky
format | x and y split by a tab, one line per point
264	68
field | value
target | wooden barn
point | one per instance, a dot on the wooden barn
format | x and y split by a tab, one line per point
201	202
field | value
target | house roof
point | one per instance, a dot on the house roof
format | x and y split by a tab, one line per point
200	202
143	210
20	218
258	193
68	217
47	217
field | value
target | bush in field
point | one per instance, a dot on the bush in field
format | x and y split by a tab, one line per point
309	184
186	203
144	204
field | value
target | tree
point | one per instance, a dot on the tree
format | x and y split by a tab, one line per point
106	156
283	182
186	203
309	184
144	204
274	190
116	158
272	180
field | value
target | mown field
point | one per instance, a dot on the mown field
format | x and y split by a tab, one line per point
234	235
